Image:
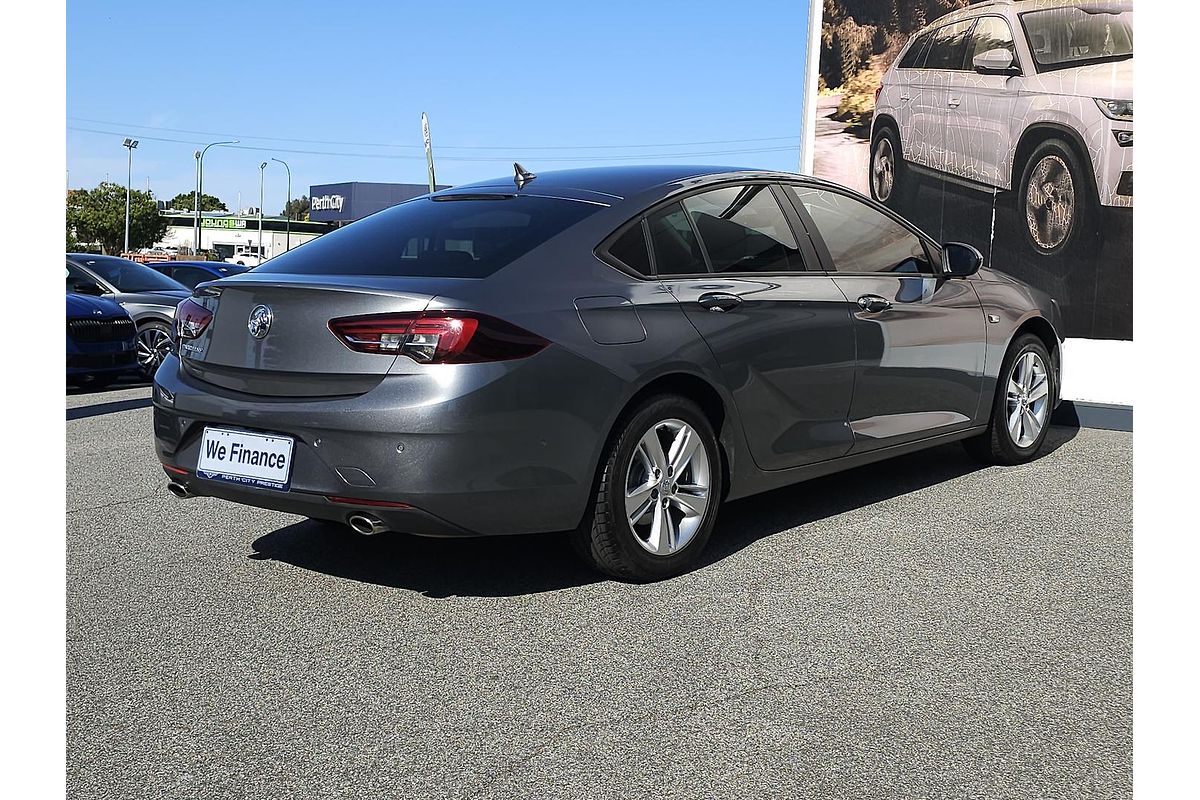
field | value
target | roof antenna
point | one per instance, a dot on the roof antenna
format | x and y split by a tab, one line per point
522	176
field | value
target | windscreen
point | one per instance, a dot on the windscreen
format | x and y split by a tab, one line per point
444	238
130	276
1076	36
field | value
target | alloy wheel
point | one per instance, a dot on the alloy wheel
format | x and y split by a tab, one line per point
883	169
667	487
152	347
1028	395
1050	202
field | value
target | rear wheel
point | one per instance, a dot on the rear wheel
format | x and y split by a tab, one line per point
1025	397
888	175
659	491
154	342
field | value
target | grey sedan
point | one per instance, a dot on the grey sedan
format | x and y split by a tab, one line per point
148	296
609	352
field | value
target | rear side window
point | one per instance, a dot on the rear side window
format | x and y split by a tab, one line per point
630	249
949	46
860	238
914	56
469	238
743	229
676	251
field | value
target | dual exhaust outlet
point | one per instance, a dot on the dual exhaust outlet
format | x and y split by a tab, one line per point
366	524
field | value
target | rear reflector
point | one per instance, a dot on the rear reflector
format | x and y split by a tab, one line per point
358	501
438	337
174	470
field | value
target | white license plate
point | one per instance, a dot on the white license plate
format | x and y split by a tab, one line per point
251	459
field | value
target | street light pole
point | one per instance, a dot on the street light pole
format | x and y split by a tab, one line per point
262	174
286	212
200	184
130	145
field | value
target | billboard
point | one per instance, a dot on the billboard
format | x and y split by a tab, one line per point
1005	125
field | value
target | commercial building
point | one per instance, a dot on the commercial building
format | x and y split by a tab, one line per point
345	202
227	233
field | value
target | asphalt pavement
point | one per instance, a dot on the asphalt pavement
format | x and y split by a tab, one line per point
922	628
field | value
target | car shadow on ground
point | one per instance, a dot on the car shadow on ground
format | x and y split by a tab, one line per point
504	566
116	386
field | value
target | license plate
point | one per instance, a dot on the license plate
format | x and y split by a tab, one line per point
250	459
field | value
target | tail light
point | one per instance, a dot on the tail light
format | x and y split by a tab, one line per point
878	89
437	337
191	319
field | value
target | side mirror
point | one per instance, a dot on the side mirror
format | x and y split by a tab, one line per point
960	260
996	62
87	287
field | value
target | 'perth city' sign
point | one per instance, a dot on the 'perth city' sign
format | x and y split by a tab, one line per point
328	202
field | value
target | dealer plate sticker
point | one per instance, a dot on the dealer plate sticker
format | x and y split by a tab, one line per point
251	459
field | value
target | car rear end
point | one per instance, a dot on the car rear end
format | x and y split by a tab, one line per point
101	339
370	377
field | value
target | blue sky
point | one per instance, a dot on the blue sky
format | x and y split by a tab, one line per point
546	83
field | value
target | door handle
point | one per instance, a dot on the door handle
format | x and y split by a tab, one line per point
874	303
953	103
720	301
904	98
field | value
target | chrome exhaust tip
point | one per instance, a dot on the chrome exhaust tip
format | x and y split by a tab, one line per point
178	489
366	524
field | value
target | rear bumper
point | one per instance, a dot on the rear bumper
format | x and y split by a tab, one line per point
474	449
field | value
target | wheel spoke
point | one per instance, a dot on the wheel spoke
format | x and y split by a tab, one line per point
652	447
1014	423
682	449
657	542
690	505
1030	425
1040	389
638	501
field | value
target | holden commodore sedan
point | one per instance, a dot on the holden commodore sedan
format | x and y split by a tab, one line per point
611	353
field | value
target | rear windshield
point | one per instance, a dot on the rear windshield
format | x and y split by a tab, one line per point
466	238
130	276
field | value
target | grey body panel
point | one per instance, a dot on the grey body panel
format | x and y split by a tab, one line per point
514	446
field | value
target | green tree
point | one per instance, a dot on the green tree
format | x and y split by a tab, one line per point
298	208
98	216
185	201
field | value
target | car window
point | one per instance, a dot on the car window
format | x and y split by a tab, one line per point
949	45
676	251
914	56
76	275
860	238
1073	36
130	276
743	229
630	249
190	276
991	33
449	238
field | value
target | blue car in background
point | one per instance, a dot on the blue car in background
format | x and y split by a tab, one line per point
191	273
101	341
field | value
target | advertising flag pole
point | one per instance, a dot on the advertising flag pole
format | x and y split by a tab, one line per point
428	151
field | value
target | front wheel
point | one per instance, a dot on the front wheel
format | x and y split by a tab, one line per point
659	491
1055	202
1025	395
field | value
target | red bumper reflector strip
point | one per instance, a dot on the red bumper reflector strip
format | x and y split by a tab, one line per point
174	470
358	501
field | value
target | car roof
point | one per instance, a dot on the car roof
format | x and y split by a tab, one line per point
617	183
1021	6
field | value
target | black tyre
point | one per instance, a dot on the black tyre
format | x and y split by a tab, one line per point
887	174
1026	393
1056	204
154	342
658	493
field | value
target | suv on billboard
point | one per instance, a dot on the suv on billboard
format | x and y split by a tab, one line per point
1033	96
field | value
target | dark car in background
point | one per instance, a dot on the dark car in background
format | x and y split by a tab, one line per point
191	273
101	341
150	298
613	352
